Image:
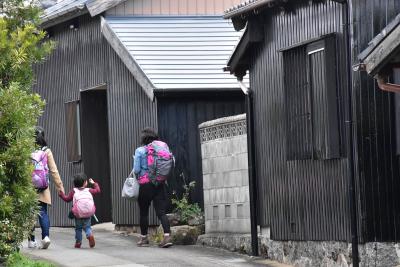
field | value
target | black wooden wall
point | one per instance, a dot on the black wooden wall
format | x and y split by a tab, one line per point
178	119
74	65
378	163
298	199
83	60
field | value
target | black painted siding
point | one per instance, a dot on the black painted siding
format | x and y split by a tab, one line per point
178	121
300	199
83	59
130	110
59	80
377	160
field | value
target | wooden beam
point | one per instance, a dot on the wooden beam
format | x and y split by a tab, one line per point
127	59
383	52
97	7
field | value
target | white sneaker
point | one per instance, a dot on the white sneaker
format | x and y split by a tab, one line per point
32	244
45	242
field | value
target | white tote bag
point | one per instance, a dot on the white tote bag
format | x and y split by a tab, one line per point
130	190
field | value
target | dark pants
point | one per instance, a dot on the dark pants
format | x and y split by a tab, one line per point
43	221
147	193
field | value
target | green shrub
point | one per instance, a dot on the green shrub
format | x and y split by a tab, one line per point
22	44
183	207
18	260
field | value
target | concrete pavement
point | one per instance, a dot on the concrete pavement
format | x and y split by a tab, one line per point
116	250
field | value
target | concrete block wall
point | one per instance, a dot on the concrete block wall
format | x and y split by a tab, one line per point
225	175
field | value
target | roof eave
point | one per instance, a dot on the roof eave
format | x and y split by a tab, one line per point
50	21
379	38
383	53
127	59
231	13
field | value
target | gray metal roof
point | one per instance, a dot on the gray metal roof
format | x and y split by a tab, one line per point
179	52
61	8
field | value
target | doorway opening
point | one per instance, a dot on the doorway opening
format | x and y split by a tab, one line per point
95	146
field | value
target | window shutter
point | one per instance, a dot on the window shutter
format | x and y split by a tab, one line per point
323	87
73	132
297	104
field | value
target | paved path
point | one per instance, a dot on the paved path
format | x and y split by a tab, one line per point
116	250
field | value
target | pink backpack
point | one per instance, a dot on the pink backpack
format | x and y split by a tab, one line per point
40	174
160	161
83	204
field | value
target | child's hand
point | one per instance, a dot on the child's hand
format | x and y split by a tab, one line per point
91	181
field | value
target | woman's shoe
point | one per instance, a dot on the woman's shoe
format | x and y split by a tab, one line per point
166	242
32	244
143	242
45	242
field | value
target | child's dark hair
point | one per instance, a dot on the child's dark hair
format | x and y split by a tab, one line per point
79	179
39	136
148	135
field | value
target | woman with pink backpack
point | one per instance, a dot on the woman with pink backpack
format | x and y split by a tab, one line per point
44	166
152	164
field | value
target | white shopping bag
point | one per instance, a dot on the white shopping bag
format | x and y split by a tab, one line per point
131	186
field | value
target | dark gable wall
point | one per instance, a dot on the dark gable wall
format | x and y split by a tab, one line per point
83	59
179	118
301	199
378	164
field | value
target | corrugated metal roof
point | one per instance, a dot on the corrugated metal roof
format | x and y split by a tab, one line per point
179	52
61	8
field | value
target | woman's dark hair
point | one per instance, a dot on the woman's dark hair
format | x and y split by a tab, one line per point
79	179
39	136
148	135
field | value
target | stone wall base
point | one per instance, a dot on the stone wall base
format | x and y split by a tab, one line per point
311	253
134	229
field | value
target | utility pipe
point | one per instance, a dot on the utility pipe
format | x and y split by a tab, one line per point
351	150
385	86
251	165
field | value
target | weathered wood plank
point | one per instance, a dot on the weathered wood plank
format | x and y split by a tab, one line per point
127	58
381	54
96	7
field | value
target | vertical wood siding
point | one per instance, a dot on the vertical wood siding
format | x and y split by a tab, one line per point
179	118
377	160
82	60
76	63
172	7
300	199
130	110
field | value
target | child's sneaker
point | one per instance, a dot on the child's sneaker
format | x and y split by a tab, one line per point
78	244
143	242
45	242
92	243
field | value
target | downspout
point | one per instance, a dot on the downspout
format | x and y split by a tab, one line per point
251	165
385	86
351	150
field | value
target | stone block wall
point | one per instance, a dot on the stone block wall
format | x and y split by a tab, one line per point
225	175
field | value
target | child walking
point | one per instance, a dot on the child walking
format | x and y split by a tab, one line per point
83	207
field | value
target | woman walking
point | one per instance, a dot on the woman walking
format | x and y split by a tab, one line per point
150	191
44	195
